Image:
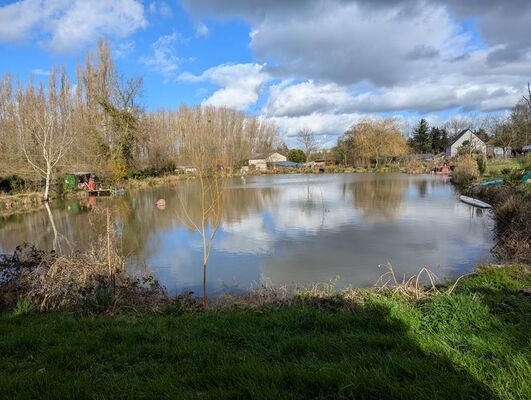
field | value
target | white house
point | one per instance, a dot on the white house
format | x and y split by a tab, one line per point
260	161
465	137
501	152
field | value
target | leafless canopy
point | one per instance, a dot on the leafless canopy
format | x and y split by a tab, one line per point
44	123
307	140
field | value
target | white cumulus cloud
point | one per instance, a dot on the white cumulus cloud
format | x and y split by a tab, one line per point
338	60
67	25
239	84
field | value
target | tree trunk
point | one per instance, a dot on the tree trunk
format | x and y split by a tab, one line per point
47	185
205	298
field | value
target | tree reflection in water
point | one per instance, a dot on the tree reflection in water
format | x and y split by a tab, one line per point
287	228
378	199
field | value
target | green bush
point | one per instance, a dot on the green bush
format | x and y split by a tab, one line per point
482	164
296	155
142	173
512	176
525	162
169	168
23	307
150	172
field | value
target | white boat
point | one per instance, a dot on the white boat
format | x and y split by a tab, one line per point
474	202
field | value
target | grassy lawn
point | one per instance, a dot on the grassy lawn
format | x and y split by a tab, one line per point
495	166
474	344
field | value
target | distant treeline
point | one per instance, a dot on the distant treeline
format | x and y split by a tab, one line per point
98	125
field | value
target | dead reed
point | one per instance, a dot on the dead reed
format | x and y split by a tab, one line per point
423	283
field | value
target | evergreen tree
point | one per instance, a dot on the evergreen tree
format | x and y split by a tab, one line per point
445	139
435	135
297	155
421	137
439	139
482	134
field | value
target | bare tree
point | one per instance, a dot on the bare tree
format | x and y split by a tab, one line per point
503	134
44	125
527	101
205	148
8	140
456	125
306	138
528	98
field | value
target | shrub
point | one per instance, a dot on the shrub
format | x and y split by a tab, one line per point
525	162
482	164
466	170
151	172
169	168
33	279
512	211
118	169
11	183
414	166
297	156
144	173
22	307
512	176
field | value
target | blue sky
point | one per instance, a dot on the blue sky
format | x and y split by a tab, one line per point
322	64
225	42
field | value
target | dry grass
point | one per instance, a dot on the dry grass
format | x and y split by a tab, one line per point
93	282
416	166
25	200
324	296
48	283
466	171
72	284
157	181
423	283
512	212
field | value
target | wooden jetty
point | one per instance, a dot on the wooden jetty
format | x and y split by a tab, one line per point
100	192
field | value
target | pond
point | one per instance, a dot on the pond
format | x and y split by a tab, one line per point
277	230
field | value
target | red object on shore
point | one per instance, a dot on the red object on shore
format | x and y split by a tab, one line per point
91	184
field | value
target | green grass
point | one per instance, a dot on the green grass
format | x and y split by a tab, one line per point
495	167
472	344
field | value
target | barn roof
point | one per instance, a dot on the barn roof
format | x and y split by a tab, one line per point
461	134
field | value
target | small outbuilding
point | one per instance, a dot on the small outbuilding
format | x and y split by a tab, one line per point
466	137
80	181
260	161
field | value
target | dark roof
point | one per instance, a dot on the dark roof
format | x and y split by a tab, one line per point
286	164
461	134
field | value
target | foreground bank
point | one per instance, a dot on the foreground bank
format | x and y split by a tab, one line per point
468	342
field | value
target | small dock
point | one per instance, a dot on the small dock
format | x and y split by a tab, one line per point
100	192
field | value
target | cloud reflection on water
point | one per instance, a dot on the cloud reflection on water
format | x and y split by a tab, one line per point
290	229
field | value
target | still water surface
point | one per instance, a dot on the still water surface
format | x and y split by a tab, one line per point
279	229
